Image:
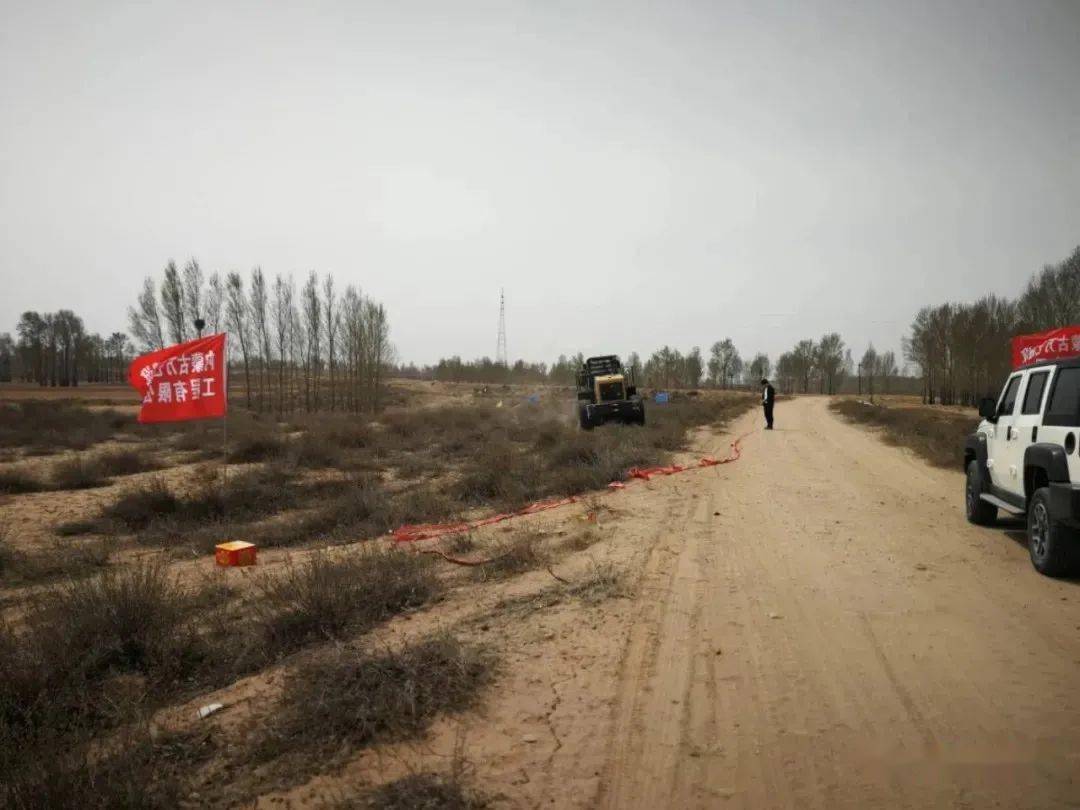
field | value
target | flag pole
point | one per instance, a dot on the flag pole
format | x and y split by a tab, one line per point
225	418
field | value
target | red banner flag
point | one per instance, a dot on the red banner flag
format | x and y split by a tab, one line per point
1052	345
186	381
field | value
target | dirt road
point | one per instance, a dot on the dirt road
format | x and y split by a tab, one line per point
819	627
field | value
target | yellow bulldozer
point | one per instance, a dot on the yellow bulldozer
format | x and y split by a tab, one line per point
606	392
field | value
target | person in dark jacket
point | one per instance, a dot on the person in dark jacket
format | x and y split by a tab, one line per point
768	397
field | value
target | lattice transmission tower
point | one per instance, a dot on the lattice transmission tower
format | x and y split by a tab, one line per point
500	347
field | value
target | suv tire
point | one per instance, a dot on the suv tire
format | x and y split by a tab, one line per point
1052	544
978	511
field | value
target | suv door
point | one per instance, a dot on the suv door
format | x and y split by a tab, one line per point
1061	416
1004	450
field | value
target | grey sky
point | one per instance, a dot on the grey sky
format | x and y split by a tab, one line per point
633	174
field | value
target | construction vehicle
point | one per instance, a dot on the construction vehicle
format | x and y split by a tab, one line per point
605	392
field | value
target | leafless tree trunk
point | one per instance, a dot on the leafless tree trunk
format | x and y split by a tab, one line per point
333	322
262	337
236	314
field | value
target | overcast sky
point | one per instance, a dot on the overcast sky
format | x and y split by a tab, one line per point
632	174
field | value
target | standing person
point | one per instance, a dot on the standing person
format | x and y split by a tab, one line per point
768	397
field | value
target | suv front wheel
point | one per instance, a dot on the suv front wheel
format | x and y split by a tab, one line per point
978	511
1052	544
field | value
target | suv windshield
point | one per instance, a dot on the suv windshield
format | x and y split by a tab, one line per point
1064	406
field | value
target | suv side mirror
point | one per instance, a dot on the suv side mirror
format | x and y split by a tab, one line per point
988	409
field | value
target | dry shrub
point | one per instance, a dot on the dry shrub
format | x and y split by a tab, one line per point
422	791
936	435
462	543
131	620
89	654
139	771
62	560
139	506
498	473
251	437
80	471
518	553
125	462
77	472
355	698
254	447
314	450
343	431
16	480
325	596
579	541
356	508
44	427
451	428
603	580
252	493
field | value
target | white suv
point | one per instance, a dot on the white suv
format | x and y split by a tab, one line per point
1022	459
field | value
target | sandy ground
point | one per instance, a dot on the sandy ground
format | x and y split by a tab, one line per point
839	636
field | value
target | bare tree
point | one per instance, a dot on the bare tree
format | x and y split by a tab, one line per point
215	296
829	361
144	319
312	312
193	291
724	362
885	368
759	368
282	329
867	369
236	316
332	320
694	367
172	303
262	336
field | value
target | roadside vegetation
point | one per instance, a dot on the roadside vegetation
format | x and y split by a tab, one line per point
936	434
337	479
93	657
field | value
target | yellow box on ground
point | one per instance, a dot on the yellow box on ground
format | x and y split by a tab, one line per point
234	553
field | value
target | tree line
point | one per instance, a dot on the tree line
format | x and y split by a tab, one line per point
54	349
822	366
311	348
963	350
